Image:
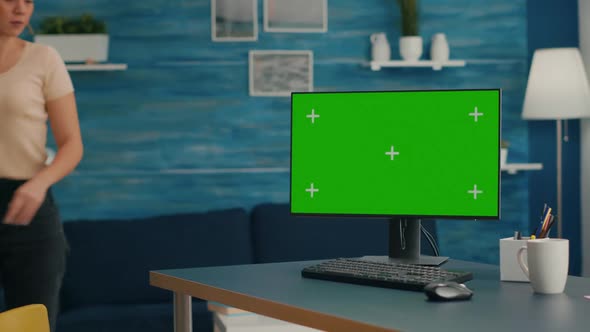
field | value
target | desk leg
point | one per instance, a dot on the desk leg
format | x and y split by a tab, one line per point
183	317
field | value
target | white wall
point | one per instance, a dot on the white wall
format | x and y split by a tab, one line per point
584	25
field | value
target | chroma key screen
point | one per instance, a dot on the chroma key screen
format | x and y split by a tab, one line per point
428	153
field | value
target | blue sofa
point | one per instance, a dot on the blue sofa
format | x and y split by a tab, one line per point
106	286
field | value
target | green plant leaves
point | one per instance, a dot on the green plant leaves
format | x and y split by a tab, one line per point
409	14
85	23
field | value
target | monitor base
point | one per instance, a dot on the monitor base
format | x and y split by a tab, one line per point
422	260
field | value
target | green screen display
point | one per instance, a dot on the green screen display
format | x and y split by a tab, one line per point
399	153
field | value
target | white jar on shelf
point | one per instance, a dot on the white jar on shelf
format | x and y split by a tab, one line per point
380	50
439	48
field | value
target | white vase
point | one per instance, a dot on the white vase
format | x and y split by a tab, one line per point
439	48
503	156
380	49
410	47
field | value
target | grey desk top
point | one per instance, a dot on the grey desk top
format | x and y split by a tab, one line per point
278	290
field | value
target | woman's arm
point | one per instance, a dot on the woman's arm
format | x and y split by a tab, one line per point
63	118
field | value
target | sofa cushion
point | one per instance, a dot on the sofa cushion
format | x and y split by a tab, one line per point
125	318
279	236
110	260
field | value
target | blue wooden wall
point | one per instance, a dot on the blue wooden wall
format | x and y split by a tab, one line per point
178	132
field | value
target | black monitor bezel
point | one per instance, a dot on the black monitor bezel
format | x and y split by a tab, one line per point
497	217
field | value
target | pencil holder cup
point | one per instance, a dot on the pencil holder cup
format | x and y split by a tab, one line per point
509	268
546	264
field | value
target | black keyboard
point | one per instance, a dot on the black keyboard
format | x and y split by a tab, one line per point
389	275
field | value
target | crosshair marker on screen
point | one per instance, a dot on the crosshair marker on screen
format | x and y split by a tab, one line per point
475	192
475	114
312	116
312	190
392	153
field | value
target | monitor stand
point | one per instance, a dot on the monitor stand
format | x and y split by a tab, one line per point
404	245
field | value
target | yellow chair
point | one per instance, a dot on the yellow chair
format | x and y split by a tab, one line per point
29	318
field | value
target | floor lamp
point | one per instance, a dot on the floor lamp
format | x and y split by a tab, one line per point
557	89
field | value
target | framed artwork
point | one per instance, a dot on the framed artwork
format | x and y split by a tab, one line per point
296	15
234	20
278	73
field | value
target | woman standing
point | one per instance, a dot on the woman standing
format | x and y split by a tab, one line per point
34	87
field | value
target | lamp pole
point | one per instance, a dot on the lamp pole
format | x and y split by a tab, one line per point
559	203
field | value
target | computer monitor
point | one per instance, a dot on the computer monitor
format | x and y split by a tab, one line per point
405	155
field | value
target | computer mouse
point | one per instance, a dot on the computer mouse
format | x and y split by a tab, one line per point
447	291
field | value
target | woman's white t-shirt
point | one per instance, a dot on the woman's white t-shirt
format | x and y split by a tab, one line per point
39	76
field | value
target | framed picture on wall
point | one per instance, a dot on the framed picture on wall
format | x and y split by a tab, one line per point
234	20
296	15
278	73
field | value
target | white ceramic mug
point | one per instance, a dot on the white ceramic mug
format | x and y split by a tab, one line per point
548	263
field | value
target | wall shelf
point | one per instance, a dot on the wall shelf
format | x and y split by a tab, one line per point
97	67
435	65
514	168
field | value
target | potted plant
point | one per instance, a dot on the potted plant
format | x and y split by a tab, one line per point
503	152
410	42
77	39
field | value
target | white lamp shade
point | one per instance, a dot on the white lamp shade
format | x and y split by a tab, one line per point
557	87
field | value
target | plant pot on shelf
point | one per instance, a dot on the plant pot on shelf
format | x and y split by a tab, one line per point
77	47
410	48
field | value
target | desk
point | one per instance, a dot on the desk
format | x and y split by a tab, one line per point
277	290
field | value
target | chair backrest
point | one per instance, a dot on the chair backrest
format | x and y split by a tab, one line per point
29	318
